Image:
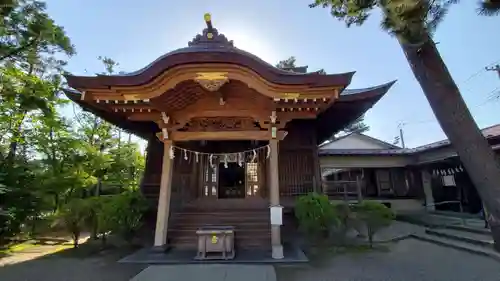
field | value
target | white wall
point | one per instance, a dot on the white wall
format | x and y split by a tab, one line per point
364	161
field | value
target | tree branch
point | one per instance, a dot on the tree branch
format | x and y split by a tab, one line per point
19	49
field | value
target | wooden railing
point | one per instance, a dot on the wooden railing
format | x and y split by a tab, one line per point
344	189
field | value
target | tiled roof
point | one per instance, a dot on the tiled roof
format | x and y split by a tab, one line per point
489	132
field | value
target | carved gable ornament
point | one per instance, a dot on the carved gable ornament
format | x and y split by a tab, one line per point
211	81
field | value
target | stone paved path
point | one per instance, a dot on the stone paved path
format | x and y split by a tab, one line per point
207	272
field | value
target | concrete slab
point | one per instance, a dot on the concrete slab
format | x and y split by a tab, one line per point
243	256
207	272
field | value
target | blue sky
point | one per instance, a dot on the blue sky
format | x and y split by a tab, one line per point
134	33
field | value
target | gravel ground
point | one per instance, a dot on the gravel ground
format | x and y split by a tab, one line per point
407	260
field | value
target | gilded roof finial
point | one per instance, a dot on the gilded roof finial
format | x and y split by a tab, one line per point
210	36
208	20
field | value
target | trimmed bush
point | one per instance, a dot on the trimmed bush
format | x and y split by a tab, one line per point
374	216
315	214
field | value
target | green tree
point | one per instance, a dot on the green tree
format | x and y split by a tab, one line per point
72	216
28	31
357	125
374	216
413	23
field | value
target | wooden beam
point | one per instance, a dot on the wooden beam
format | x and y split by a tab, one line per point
331	101
223	135
175	75
145	116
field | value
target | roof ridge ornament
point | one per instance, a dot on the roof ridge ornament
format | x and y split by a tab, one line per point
210	35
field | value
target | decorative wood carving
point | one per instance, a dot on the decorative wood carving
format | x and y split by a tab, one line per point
228	135
175	75
216	124
211	81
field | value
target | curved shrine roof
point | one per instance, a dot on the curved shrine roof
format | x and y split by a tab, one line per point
210	47
217	49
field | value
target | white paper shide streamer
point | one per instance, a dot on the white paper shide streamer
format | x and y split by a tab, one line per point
240	158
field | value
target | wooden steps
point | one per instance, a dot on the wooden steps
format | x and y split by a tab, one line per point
252	227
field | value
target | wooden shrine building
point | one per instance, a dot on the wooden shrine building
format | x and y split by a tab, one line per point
226	131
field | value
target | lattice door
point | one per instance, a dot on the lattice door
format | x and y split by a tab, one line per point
210	180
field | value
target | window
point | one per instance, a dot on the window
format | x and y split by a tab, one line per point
252	172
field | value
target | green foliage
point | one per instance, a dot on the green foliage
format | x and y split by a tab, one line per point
73	216
126	212
316	215
27	32
47	161
21	199
119	214
357	126
374	215
411	21
344	214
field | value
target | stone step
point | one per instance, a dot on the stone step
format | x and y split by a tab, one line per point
472	229
238	226
459	245
214	221
463	236
224	213
238	232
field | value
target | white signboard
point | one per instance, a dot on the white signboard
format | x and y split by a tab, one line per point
276	215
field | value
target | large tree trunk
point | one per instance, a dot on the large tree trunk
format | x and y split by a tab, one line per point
457	123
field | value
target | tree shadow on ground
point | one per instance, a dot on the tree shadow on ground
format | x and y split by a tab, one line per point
90	261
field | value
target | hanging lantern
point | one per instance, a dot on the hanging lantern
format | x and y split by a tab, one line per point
196	156
185	155
225	161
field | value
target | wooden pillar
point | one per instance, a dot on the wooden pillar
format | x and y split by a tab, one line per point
164	197
427	186
274	196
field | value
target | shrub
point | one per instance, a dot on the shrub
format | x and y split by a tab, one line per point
128	209
100	218
315	214
344	214
374	215
73	216
120	214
